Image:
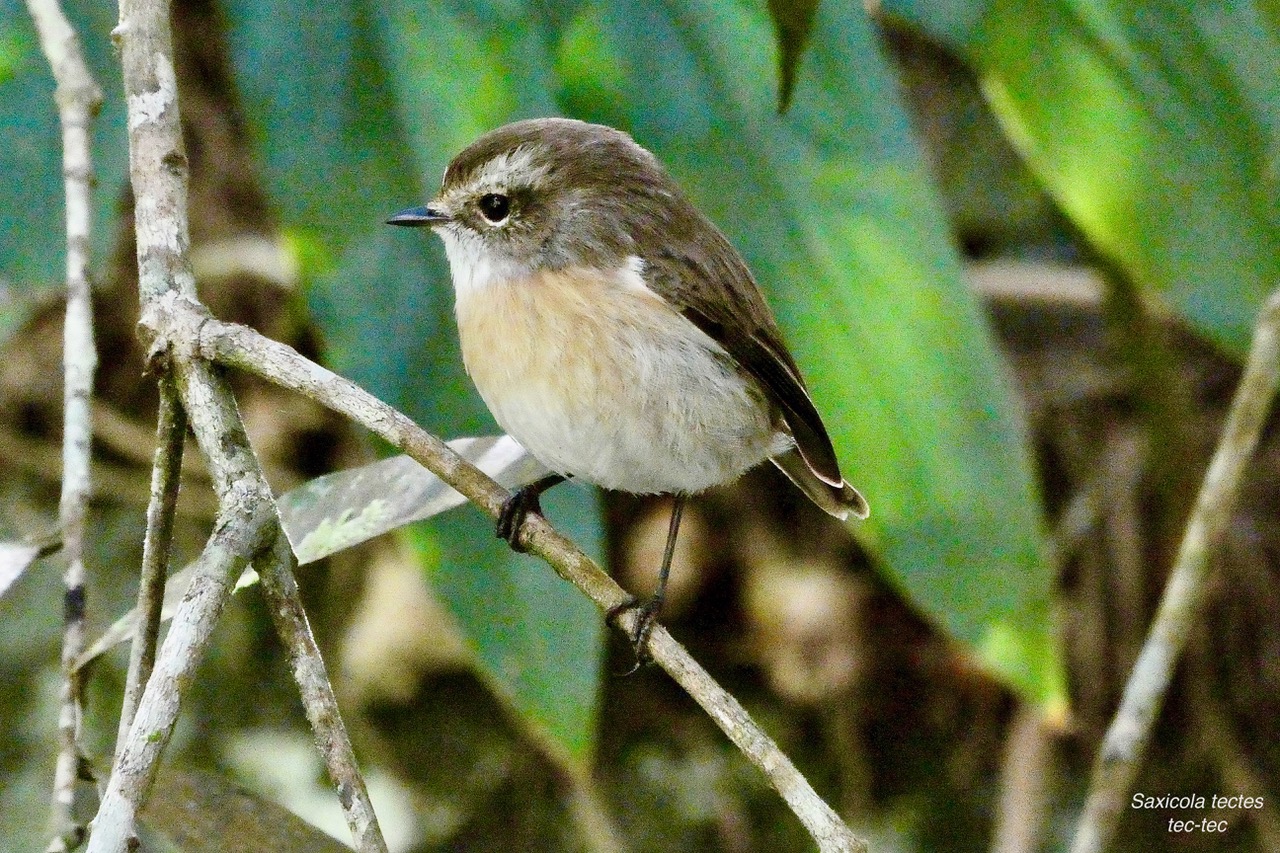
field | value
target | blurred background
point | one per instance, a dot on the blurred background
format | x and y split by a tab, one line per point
1018	250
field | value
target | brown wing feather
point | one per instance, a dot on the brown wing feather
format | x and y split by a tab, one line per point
640	210
736	316
776	372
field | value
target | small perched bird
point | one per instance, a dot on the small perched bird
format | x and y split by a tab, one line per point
613	330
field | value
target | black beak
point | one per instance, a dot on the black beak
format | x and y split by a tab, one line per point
419	217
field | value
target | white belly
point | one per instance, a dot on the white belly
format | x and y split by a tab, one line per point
602	381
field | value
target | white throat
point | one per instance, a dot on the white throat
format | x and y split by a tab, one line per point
473	266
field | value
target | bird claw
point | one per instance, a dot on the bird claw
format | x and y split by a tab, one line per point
512	515
646	617
516	508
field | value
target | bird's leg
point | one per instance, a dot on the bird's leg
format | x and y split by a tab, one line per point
649	609
524	501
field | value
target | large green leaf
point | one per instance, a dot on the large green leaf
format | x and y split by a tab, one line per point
831	207
360	127
1156	125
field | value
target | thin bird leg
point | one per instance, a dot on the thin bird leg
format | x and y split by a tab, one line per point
652	606
525	500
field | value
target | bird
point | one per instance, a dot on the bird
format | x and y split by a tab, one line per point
614	331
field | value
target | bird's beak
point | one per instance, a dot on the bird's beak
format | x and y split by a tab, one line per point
419	217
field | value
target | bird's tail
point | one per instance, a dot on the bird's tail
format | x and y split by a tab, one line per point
841	501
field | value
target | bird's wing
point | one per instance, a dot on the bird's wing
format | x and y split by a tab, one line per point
736	316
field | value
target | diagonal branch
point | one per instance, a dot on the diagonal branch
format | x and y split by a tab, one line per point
280	589
244	529
1125	745
79	99
242	347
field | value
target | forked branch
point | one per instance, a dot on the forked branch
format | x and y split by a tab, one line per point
247	528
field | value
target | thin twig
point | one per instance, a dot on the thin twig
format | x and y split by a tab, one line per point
166	469
79	99
242	347
281	591
1126	741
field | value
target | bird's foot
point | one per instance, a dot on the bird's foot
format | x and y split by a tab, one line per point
515	508
512	515
646	617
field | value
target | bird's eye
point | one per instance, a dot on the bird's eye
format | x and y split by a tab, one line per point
495	207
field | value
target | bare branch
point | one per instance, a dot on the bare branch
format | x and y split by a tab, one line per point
1024	782
1125	744
285	603
244	348
78	100
244	529
166	470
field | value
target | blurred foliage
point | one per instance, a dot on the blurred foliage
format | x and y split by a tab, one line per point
202	813
834	214
829	204
380	117
32	224
793	24
1154	125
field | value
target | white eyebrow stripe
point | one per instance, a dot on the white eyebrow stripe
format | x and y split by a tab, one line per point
499	171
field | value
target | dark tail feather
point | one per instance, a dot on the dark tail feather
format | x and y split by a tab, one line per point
840	501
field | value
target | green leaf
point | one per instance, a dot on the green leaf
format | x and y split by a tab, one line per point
949	21
831	207
16	48
829	204
343	509
538	638
1156	126
348	141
